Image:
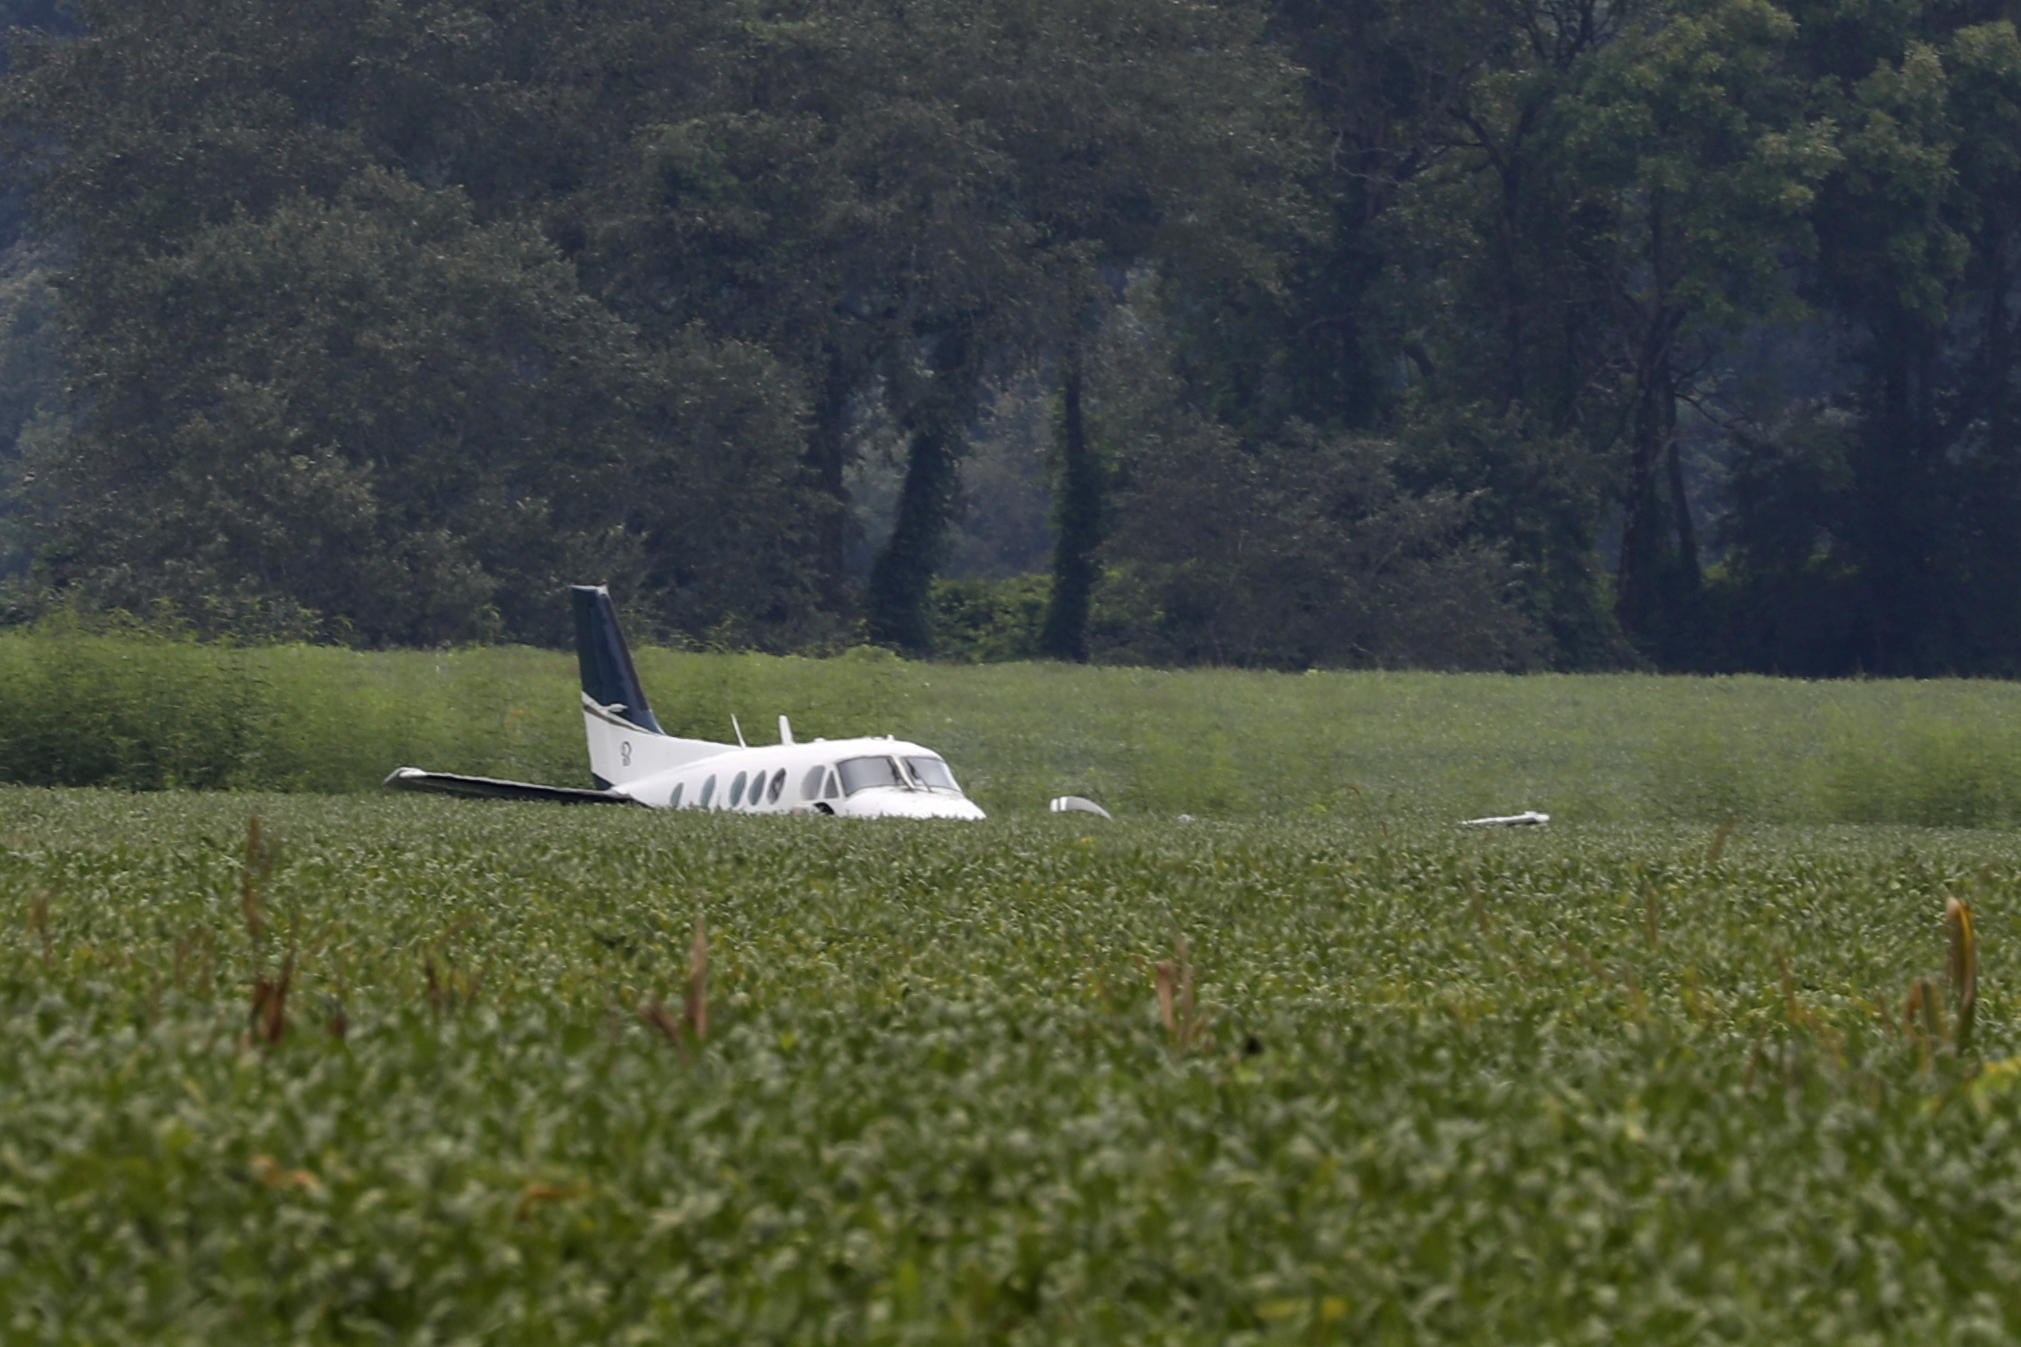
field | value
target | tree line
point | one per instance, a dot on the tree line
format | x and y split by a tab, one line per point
1480	334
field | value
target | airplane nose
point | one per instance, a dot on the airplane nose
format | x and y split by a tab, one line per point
942	806
881	803
961	808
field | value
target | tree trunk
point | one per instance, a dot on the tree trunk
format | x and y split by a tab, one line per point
1065	636
936	406
901	579
827	456
1689	575
1657	584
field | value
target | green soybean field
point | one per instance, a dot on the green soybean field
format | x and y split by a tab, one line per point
293	1068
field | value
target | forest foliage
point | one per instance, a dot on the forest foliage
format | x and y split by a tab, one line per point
1489	334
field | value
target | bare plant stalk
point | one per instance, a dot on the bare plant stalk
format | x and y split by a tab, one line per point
1923	1012
262	850
38	921
656	1016
534	1194
1712	852
1964	967
695	1008
277	1022
1184	1020
1649	913
249	903
270	1003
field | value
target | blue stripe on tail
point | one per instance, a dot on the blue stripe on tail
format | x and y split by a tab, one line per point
607	673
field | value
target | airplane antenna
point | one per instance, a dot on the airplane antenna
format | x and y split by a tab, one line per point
785	730
739	729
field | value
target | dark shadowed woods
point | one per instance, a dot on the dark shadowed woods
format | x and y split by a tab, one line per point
1671	334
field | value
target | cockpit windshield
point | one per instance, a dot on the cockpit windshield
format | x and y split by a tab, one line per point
932	773
863	773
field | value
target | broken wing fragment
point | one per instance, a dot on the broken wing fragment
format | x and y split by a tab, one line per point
1529	818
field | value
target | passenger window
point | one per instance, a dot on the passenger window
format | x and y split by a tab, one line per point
737	791
708	792
674	800
778	784
810	789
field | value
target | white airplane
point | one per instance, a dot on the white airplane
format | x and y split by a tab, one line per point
634	761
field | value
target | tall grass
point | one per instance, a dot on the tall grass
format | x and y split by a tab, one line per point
82	709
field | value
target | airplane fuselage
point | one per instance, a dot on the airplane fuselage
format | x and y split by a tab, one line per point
850	778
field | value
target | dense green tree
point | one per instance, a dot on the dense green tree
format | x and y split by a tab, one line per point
1381	80
415	425
1616	196
31	396
31	384
1299	550
1700	142
384	317
315	381
1304	553
1874	519
1451	296
902	201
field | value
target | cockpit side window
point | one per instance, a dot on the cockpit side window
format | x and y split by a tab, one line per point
810	789
931	773
834	791
864	773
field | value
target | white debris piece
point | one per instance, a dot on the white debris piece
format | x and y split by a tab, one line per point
1529	818
1074	804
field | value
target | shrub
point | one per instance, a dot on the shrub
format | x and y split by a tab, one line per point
989	621
80	709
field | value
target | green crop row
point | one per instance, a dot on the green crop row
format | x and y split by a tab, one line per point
1649	1084
135	713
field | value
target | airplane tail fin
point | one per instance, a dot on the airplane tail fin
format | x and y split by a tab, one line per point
608	678
626	742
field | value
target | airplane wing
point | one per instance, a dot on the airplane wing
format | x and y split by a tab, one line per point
491	788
